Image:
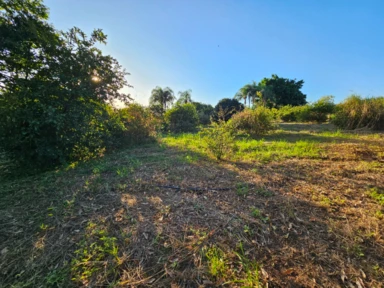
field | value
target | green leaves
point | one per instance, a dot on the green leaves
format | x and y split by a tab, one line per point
54	88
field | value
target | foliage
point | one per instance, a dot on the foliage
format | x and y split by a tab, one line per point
248	91
227	108
97	252
356	112
182	118
216	261
184	97
219	138
377	195
54	88
254	122
204	111
314	112
163	97
286	91
140	124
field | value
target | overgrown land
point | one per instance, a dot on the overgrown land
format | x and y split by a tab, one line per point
301	207
275	192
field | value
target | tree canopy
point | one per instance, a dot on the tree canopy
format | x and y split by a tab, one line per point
184	97
286	91
163	97
54	86
226	108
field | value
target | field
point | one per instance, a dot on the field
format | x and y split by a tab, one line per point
301	207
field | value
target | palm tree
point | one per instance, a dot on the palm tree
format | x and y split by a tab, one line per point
185	97
248	91
266	95
162	97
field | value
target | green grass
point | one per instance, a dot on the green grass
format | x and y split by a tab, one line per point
249	149
377	195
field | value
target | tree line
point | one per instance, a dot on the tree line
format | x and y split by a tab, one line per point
57	89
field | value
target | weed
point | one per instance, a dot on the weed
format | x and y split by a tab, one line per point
97	254
242	189
264	192
216	261
377	195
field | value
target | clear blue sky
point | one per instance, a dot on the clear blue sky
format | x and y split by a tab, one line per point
216	46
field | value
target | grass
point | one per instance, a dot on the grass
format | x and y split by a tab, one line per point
300	207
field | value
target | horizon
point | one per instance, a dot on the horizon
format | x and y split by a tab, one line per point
216	47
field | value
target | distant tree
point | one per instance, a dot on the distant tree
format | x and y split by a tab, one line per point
228	107
184	97
162	96
248	91
204	111
286	91
265	96
182	118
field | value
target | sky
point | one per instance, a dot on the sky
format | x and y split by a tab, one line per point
214	47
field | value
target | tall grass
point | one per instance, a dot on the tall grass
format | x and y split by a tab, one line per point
357	112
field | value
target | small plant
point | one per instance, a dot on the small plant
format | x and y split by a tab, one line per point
256	213
250	269
264	192
219	138
377	195
216	261
96	257
242	189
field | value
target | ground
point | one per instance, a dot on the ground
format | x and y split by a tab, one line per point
302	207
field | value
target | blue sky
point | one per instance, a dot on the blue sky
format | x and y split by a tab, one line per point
216	46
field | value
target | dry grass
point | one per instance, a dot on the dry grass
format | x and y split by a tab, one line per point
291	222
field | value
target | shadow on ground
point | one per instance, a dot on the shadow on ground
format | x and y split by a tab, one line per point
112	222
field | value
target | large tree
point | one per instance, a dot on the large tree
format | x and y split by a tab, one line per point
54	86
286	91
162	96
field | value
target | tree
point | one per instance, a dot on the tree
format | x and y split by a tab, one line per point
182	118
228	107
54	88
185	97
287	91
266	96
205	112
161	96
248	91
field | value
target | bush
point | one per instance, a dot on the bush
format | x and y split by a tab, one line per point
254	122
356	112
140	124
219	138
289	113
315	112
182	118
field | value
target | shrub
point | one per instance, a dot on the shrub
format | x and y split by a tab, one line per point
140	124
289	113
356	112
254	122
315	112
219	138
182	118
